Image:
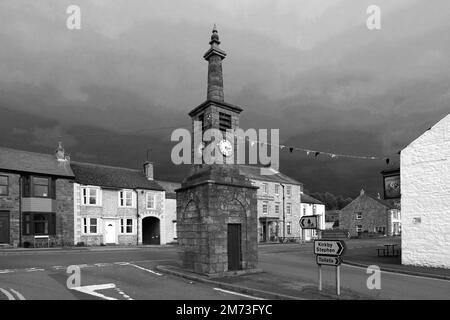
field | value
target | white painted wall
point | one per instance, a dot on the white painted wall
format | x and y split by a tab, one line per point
425	200
307	209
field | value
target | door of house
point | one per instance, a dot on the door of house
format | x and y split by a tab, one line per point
110	231
234	247
4	226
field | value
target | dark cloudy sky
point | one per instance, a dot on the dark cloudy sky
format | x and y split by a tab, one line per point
308	67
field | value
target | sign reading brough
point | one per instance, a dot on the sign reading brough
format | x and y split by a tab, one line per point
329	247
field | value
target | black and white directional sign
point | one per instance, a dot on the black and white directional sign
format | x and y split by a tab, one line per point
308	222
328	260
329	247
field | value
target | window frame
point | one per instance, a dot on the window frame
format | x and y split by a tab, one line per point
277	206
133	198
265	188
29	223
154	200
98	196
288	209
277	189
360	227
289	227
124	226
358	215
288	191
86	226
266	205
5	185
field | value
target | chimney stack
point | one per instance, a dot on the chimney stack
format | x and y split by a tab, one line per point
148	170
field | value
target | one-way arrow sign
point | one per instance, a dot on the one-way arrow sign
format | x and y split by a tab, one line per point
329	247
308	222
328	260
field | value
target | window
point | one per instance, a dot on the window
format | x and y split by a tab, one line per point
4	185
289	227
314	209
358	215
277	208
265	207
39	224
359	228
126	198
395	215
277	189
90	225
304	211
288	190
380	230
90	196
224	121
151	201
288	209
265	188
126	225
40	187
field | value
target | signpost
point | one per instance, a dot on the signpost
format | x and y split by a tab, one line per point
308	222
329	252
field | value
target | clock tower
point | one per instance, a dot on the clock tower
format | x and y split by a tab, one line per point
216	205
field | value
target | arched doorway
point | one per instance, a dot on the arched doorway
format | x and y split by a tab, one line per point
151	231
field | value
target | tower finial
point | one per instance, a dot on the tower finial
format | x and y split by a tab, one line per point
214	36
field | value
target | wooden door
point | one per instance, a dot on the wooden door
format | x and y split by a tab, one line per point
234	247
4	227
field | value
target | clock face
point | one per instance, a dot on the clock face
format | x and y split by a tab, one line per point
226	148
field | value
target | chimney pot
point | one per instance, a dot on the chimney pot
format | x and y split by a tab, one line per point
148	170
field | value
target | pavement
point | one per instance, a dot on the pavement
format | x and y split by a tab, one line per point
152	272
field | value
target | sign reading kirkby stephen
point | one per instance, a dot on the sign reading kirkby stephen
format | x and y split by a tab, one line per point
308	222
329	247
328	260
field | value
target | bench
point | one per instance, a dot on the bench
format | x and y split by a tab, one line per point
382	250
41	240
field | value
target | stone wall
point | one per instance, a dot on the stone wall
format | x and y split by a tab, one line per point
425	185
11	203
203	215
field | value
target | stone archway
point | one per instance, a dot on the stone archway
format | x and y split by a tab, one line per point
151	230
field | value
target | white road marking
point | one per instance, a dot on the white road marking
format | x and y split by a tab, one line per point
8	270
18	294
122	263
34	269
7	294
102	264
238	294
398	274
91	290
148	270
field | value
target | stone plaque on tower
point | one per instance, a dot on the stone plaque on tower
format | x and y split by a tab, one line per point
216	205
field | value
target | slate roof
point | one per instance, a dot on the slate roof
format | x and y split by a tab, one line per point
31	162
170	188
383	202
254	172
112	177
305	198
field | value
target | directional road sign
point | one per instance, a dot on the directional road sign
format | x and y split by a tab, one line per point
329	247
328	260
308	222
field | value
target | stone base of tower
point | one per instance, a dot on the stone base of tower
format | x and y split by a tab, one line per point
217	222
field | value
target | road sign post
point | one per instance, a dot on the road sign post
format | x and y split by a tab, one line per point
329	252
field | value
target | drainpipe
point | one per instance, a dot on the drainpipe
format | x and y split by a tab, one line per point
137	216
20	211
284	215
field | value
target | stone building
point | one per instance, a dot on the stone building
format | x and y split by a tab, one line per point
425	198
116	205
368	216
279	207
36	198
311	206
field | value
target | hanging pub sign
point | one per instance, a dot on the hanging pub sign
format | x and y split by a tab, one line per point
391	183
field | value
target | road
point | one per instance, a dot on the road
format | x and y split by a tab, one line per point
131	274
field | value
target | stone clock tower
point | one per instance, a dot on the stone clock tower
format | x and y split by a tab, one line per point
216	205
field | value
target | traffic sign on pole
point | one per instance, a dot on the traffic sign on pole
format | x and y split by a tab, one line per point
328	260
308	222
329	247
